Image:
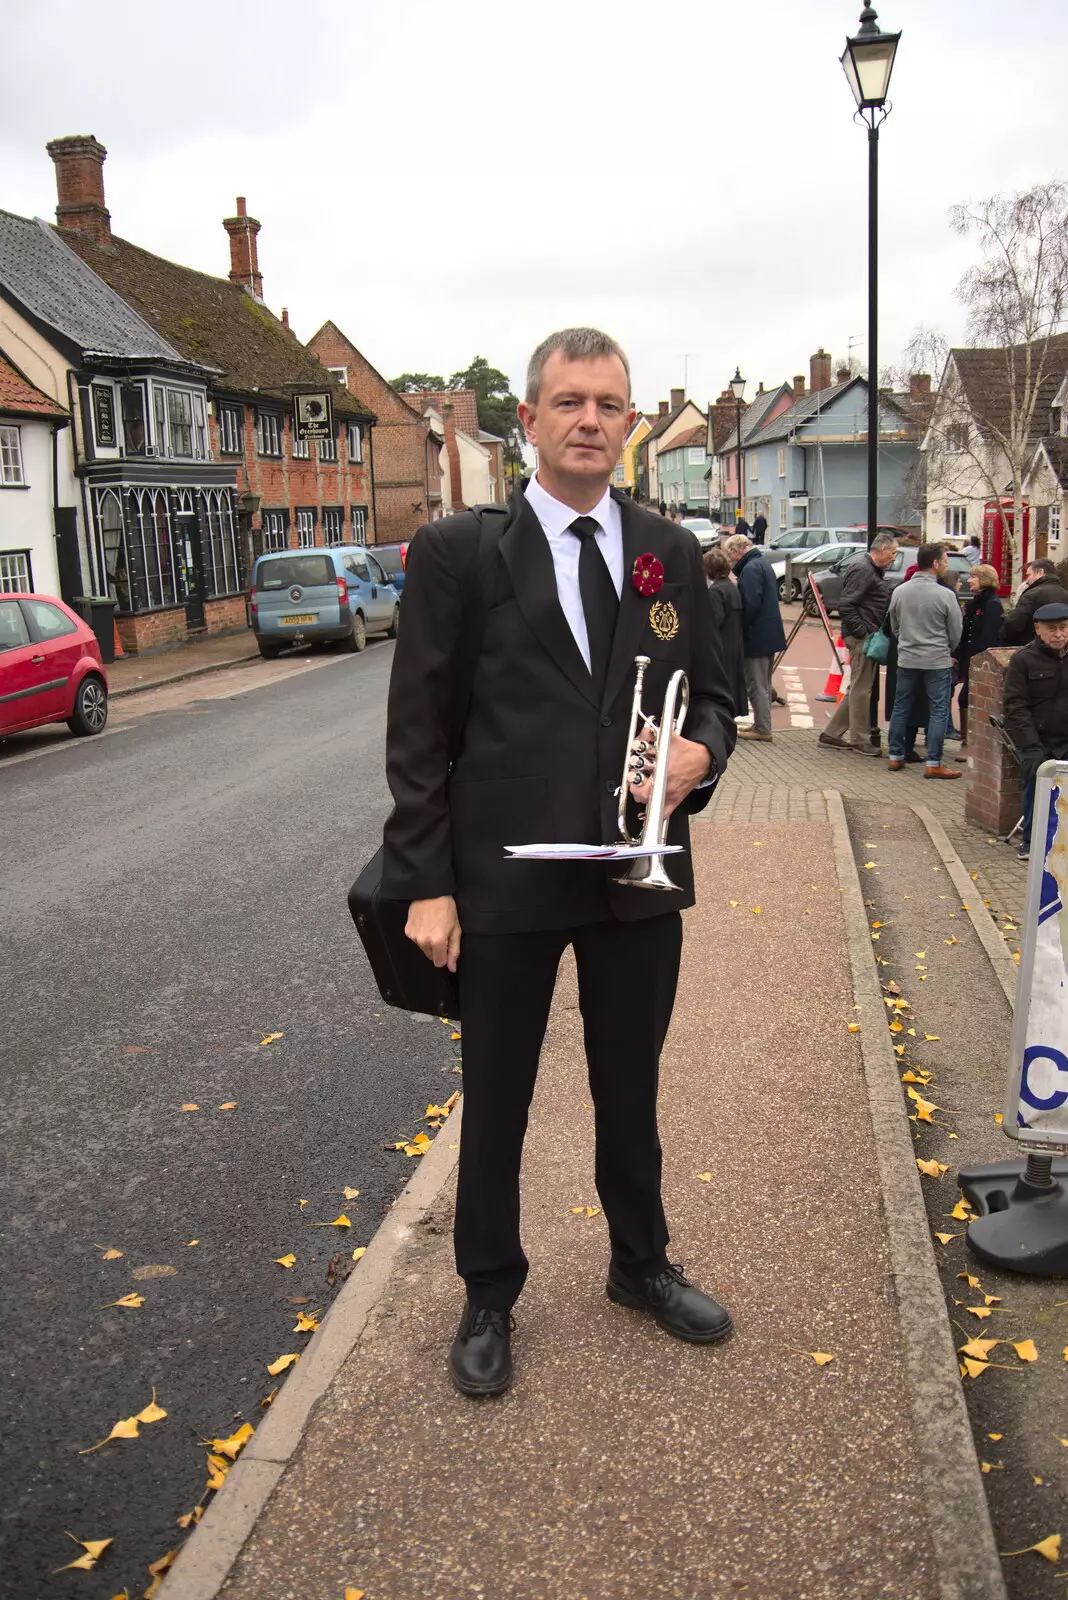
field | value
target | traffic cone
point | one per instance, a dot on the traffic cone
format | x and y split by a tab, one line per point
832	689
120	653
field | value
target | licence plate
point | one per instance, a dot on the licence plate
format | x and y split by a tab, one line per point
296	621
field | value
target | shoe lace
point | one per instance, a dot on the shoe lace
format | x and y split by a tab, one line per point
662	1283
485	1317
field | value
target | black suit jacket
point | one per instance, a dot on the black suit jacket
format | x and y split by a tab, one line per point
541	754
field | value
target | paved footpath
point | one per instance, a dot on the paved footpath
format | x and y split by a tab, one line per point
624	1465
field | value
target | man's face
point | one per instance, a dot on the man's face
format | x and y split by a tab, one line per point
581	416
941	565
1054	634
883	558
1032	574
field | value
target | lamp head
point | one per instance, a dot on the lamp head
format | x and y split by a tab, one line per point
738	385
868	61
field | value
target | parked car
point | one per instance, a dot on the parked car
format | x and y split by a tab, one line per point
393	559
804	543
703	531
50	667
830	581
337	595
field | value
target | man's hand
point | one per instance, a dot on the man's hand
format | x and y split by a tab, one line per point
435	927
689	765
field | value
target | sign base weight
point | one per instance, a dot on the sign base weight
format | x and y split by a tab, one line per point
1022	1224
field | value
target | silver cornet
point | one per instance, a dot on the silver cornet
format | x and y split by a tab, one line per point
649	872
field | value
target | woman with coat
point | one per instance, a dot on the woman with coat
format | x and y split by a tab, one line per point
726	605
983	617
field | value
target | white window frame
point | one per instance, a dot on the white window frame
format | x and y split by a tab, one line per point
358	515
269	432
956	522
782	463
619	473
783	507
957	438
162	404
341	374
301	447
275	529
332	526
16	573
328	449
231	430
695	456
354	443
304	519
1054	525
12	471
754	466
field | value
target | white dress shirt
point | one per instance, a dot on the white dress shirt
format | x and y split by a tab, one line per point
556	519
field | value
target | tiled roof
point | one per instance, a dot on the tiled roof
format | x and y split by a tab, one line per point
60	290
752	418
987	376
802	410
464	406
211	321
695	436
663	423
20	397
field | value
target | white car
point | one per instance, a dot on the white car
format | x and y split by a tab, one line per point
703	531
803	560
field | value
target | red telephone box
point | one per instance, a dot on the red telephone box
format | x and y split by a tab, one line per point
998	516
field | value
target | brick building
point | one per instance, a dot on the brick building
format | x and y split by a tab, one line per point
285	493
406	460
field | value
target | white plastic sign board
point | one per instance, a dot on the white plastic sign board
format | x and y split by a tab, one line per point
1036	1102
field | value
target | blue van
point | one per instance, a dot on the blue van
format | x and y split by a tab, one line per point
339	594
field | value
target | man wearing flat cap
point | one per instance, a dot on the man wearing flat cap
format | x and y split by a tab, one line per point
1036	703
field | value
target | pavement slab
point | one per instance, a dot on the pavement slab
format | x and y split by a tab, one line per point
623	1464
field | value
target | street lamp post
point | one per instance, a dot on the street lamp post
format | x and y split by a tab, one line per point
737	390
868	61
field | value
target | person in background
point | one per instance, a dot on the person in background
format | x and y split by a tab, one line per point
1042	589
1036	704
741	526
662	508
926	619
763	634
726	603
971	549
981	630
760	528
862	607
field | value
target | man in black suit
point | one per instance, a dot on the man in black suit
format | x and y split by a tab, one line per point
542	752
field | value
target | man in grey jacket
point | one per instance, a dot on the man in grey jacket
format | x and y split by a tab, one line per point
926	619
862	607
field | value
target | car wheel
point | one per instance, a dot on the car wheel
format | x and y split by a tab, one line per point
781	588
809	603
394	627
90	707
357	639
269	652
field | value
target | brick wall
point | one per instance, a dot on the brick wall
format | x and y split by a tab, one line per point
992	794
223	616
152	630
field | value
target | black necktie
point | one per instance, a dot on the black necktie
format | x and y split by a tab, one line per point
600	603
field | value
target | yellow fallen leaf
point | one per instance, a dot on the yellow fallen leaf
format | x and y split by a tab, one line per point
454	1035
915	1077
190	1106
157	1569
228	1105
879	925
271	1037
896	1025
970	1280
355	1594
979	1311
877	936
305	1323
110	1255
302	1204
931	1169
923	1107
911	1032
933	1038
94	1549
576	1211
853	1027
921	955
234	1445
340	1221
218	1468
451	1101
281	1364
189	1243
1063	1441
979	1350
757	910
1016	956
350	1194
991	1299
987	1466
268	1399
1026	1350
704	1177
975	1369
191	1518
962	1211
995	1436
944	1238
285	1261
732	902
898	1049
1050	1548
998	1118
152	1412
125	1428
592	1211
821	1357
360	1251
1066	1352
129	1301
868	865
953	940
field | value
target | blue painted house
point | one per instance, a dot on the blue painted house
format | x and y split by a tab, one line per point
808	466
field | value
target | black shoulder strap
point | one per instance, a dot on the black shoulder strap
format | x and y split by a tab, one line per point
492	522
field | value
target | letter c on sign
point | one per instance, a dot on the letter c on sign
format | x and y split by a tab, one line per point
1042	1052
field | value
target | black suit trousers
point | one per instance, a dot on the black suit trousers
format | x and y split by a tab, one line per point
627	976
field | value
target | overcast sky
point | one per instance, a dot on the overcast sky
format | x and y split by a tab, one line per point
460	177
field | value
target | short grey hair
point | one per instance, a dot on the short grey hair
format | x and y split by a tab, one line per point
574	344
737	542
883	541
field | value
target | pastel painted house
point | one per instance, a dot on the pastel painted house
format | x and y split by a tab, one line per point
682	467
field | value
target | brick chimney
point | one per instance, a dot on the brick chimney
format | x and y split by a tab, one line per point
799	385
920	385
819	368
80	185
724	416
244	256
663	408
843	375
285	316
452	450
678	399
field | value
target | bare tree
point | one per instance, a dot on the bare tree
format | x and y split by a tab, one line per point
1016	296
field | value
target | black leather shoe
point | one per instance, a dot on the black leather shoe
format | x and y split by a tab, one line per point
480	1360
678	1307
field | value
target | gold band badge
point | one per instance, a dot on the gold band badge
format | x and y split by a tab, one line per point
664	619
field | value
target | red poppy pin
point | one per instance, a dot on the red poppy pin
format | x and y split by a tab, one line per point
648	575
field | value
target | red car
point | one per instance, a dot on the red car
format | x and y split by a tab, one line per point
50	667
